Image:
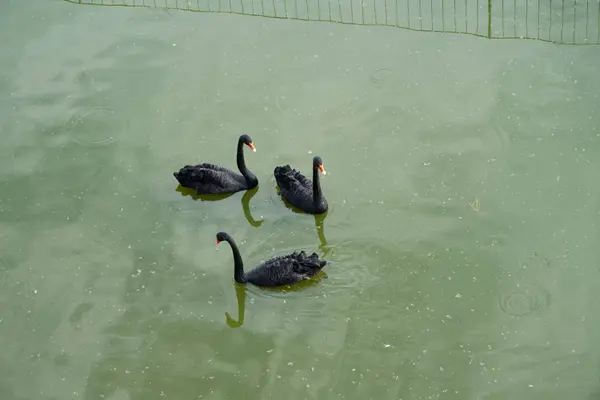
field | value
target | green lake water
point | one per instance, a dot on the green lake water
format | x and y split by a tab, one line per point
462	180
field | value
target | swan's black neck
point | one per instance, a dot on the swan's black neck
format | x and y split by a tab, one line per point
241	164
238	264
317	193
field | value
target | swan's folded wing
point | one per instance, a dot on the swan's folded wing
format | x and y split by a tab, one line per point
291	180
214	167
308	265
303	180
217	178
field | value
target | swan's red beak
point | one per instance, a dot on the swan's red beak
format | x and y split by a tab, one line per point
322	169
218	241
251	145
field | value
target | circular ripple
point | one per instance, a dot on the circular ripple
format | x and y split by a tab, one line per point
92	127
524	300
380	76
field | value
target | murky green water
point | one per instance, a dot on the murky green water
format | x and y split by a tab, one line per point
462	183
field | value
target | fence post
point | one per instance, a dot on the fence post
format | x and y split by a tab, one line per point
489	35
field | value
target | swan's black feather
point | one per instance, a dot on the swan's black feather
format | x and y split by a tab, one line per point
285	270
291	179
210	179
297	189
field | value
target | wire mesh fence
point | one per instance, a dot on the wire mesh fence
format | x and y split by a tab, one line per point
558	21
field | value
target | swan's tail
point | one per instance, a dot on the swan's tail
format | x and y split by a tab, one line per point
184	174
282	170
314	258
284	175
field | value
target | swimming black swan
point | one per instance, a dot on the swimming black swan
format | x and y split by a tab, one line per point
299	191
208	178
278	271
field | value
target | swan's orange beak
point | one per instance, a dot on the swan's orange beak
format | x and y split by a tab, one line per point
322	169
251	145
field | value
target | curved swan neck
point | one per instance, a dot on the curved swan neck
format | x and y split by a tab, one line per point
317	193
241	163
238	264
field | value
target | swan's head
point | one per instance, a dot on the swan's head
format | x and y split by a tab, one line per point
317	162
247	140
222	237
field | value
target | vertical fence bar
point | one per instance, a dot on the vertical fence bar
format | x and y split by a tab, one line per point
574	19
550	24
526	18
385	11
538	19
587	18
477	13
562	20
454	13
444	18
502	4
490	19
352	11
515	17
466	17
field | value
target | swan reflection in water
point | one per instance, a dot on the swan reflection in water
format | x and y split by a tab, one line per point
241	292
241	289
248	195
319	224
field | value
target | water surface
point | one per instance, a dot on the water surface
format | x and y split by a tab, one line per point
462	184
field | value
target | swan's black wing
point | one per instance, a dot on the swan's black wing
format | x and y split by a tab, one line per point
208	178
295	188
286	270
291	180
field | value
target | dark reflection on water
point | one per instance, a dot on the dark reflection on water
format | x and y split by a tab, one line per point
240	294
273	292
319	222
248	195
163	343
462	240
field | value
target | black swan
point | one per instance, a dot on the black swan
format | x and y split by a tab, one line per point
208	178
278	271
299	191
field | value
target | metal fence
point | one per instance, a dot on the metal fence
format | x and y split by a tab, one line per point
558	21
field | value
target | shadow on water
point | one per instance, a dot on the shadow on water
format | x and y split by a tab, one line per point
241	292
248	195
319	223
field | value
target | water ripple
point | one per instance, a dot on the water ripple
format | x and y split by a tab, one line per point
90	127
524	300
380	76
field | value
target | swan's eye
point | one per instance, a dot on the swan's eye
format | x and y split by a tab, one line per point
251	145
